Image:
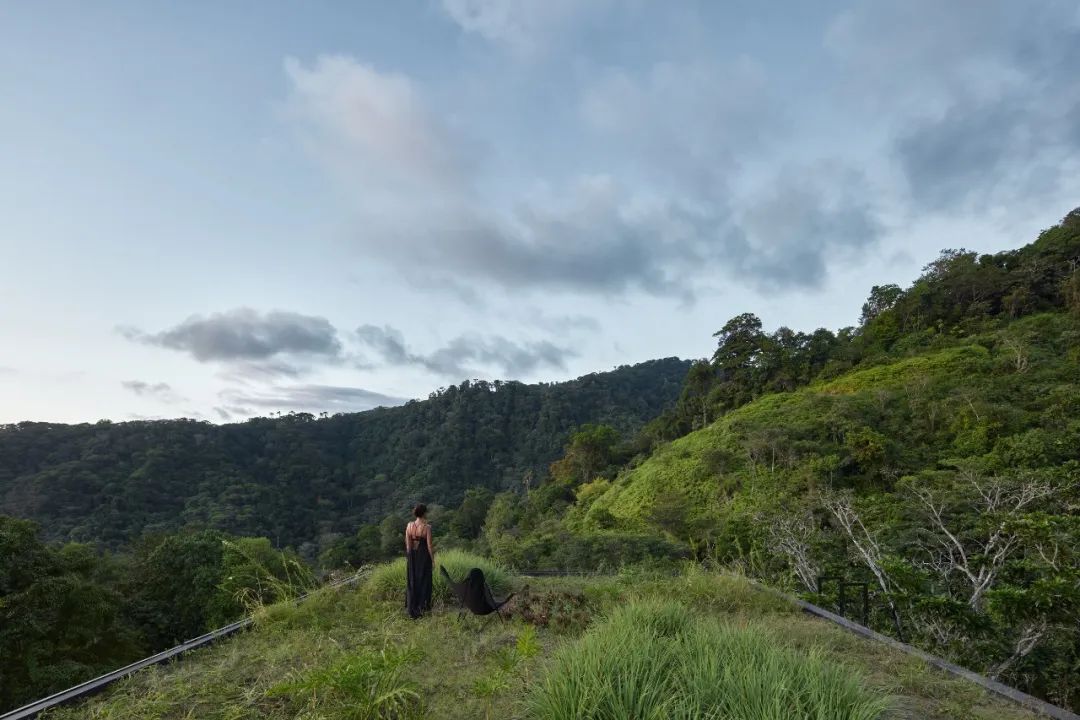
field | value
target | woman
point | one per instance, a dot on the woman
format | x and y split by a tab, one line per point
420	557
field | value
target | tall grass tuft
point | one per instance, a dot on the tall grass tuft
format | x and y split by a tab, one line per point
387	582
654	660
260	575
363	686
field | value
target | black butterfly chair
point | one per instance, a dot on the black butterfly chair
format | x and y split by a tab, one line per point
474	594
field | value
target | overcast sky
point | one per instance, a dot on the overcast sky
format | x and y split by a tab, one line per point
223	209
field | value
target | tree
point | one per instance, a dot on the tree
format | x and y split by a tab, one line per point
882	298
392	536
175	586
469	520
695	395
59	624
972	523
792	535
590	451
1070	290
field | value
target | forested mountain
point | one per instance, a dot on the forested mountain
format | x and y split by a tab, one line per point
298	479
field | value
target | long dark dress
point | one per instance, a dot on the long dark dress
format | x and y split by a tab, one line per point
418	577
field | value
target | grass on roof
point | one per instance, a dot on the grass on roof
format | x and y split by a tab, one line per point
352	654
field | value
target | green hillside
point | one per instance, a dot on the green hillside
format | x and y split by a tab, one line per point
933	452
863	428
724	645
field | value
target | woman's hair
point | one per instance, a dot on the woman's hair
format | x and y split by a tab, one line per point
420	510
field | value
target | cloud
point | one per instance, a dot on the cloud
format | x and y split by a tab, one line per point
521	26
598	238
691	123
457	358
158	391
372	126
230	412
266	371
562	324
689	128
246	335
806	220
5	370
985	95
306	398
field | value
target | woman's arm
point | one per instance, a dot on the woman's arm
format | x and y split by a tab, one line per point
407	539
430	546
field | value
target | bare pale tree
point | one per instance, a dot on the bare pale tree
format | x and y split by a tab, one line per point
866	545
1027	639
790	535
767	449
977	553
1018	351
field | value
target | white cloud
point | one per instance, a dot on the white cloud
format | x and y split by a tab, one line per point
370	125
522	26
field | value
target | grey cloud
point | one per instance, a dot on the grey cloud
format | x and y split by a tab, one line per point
986	94
307	398
388	342
458	357
265	371
950	159
690	126
784	237
230	412
563	324
159	391
514	359
244	334
600	239
808	219
607	241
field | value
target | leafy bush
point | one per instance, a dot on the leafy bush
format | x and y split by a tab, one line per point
655	659
388	581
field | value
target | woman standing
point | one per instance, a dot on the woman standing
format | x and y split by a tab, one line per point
420	557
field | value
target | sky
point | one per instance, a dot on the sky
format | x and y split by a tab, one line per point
219	210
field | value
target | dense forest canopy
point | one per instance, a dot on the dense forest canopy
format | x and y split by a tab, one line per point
298	479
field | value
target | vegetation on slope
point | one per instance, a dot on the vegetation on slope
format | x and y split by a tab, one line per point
933	452
349	654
